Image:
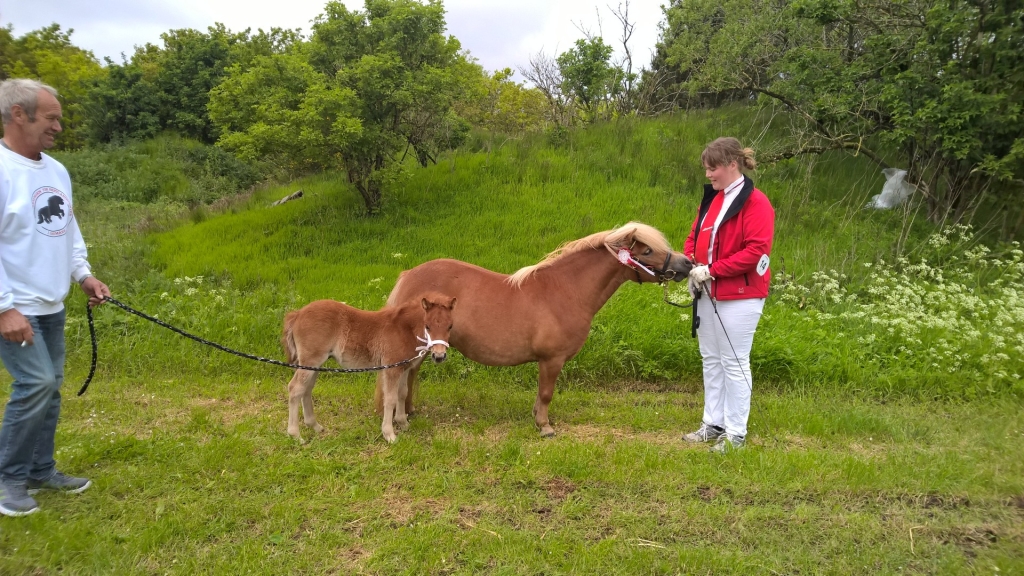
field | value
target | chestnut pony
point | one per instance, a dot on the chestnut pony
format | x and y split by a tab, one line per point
359	339
542	313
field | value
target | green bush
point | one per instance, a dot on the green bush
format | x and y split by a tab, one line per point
949	323
166	168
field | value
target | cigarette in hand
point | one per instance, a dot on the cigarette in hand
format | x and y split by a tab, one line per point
24	343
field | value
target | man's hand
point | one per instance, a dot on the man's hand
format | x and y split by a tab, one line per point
14	327
95	290
700	274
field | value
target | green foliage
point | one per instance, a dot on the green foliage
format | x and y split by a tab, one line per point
48	55
938	84
948	323
168	87
406	74
282	112
500	105
165	169
586	74
366	89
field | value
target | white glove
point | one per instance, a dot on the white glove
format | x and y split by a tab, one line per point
700	274
693	287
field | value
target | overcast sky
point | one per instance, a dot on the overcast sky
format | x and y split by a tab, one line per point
498	33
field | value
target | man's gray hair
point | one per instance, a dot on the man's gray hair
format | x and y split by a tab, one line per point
21	92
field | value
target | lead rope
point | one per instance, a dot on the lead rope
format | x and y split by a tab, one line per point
421	350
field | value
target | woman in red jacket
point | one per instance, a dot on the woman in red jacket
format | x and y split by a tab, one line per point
730	245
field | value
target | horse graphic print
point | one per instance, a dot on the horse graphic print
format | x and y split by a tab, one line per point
53	209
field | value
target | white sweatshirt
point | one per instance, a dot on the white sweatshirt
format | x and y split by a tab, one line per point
41	247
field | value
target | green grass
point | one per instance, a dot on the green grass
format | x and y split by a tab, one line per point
199	476
194	472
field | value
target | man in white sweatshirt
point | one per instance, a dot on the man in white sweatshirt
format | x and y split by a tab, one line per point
41	253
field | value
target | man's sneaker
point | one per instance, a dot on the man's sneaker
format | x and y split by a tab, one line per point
728	443
15	501
706	433
59	481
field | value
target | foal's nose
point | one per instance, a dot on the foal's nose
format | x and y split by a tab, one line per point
439	356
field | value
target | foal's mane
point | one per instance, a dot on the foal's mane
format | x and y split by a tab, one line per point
621	237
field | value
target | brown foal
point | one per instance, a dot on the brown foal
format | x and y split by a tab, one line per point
360	339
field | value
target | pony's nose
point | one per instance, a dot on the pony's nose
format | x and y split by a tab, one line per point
438	358
681	265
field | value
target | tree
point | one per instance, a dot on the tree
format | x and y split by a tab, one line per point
48	55
586	73
500	104
167	87
939	84
368	88
406	75
281	111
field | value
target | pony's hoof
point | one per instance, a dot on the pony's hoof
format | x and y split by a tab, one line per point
390	437
402	424
547	432
317	428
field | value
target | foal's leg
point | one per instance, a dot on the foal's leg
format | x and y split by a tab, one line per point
413	386
390	381
549	371
300	390
307	407
401	418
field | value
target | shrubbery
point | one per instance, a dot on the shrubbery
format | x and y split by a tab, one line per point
167	168
948	321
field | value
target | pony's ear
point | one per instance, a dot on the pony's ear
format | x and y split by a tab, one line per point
425	304
451	305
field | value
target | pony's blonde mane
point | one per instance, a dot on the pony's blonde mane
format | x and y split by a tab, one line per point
621	237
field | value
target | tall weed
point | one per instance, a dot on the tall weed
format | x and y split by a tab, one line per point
948	323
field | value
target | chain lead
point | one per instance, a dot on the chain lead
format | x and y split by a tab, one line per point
130	310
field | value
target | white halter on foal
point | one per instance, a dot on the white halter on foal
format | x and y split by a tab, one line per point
428	343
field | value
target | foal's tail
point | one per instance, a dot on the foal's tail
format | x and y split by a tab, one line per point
288	339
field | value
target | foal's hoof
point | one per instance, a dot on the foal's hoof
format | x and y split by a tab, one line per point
547	432
390	437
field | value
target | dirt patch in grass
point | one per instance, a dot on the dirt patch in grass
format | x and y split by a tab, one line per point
351	559
558	488
401	507
970	538
591	433
707	493
231	412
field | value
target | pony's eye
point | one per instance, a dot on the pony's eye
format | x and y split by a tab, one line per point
648	252
449	326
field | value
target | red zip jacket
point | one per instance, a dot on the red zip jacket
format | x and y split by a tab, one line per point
744	237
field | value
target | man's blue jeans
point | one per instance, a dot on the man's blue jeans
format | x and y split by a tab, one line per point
30	420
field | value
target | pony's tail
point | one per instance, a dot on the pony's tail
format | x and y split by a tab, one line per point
288	338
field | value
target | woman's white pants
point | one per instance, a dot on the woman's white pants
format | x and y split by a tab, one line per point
727	379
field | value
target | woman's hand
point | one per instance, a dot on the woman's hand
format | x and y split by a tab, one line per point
700	274
693	287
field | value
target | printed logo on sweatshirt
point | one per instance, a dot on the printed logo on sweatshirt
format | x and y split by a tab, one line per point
53	211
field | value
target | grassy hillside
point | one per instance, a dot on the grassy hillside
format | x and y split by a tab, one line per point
506	205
